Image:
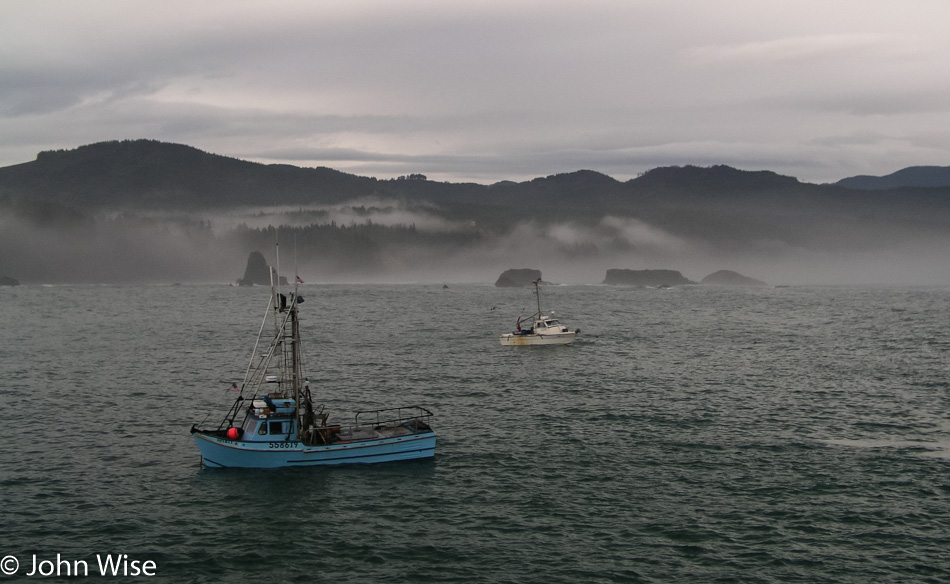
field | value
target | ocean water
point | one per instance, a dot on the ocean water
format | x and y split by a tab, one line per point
795	434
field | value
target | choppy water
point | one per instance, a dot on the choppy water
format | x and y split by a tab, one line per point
690	435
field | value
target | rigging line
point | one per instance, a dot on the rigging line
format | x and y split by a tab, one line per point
205	420
265	358
247	372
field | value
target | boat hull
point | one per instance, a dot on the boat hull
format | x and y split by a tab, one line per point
218	452
516	340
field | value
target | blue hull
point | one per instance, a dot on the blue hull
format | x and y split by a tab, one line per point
218	452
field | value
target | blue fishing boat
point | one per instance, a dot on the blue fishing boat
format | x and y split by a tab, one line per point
276	422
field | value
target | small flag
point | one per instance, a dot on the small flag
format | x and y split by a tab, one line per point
299	281
235	387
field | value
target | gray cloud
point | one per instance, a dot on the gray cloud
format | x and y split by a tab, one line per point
491	91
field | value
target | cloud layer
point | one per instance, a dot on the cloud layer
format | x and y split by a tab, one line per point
491	91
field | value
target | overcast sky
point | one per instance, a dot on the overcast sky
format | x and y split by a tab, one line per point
489	90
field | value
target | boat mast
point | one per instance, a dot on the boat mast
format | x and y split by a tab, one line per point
290	363
275	284
537	294
295	348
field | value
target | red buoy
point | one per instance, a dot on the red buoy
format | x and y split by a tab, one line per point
233	433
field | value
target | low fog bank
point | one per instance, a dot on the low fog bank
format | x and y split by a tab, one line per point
118	251
357	211
379	241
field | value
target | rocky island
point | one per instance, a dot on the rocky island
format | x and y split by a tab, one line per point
730	278
517	278
652	278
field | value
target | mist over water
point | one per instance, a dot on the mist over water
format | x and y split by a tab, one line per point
165	247
693	434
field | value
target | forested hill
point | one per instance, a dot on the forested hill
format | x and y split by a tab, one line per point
150	174
914	176
140	210
147	173
139	175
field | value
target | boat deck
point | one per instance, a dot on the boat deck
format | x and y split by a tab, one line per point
374	433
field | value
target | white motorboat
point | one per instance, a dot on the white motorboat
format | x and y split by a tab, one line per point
545	329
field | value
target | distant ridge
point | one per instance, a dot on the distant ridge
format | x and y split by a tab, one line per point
713	178
154	174
913	176
142	210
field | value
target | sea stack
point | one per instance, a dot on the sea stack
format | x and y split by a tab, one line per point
257	271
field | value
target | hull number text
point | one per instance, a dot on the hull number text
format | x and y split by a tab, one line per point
284	444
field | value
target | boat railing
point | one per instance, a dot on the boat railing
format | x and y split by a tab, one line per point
393	416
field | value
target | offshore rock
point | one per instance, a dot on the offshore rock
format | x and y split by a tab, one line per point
257	271
8	281
730	278
652	278
517	278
